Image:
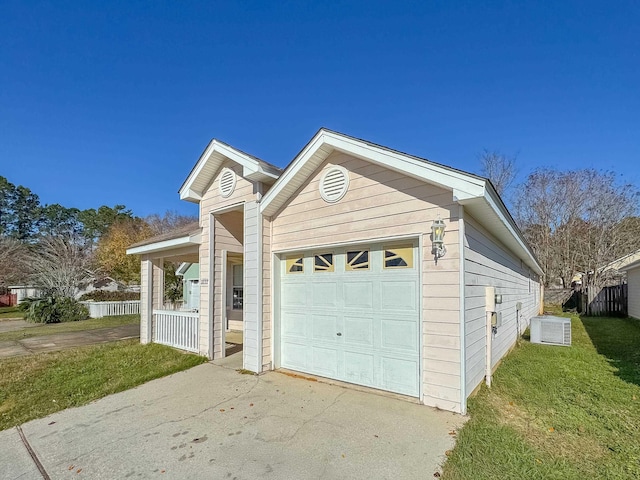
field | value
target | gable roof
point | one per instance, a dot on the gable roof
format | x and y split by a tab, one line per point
211	160
621	263
476	193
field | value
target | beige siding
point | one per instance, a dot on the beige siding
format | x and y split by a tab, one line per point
379	204
228	235
633	281
489	263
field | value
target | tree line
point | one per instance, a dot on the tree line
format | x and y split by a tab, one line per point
576	221
57	248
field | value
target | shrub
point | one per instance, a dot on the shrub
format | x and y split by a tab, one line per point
104	296
53	310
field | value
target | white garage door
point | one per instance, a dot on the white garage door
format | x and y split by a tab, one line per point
352	314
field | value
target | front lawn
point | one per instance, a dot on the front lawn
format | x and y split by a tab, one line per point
37	385
558	412
81	325
11	312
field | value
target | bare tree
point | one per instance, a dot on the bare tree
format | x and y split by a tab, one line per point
498	168
59	266
169	221
577	221
14	261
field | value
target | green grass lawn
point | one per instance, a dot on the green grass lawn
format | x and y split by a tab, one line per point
10	312
81	325
38	385
558	412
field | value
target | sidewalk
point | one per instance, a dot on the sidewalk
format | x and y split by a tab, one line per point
60	341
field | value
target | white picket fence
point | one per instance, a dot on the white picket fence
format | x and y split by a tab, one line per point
176	329
109	309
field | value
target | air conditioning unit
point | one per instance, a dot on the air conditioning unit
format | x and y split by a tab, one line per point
550	330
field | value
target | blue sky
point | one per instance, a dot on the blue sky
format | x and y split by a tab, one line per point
113	102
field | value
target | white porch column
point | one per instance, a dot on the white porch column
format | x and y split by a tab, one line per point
158	283
252	308
146	300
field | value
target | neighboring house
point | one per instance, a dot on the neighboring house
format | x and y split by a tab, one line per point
24	291
614	273
190	273
633	286
339	276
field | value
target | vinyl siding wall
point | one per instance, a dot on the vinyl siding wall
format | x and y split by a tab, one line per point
487	263
228	236
382	203
633	281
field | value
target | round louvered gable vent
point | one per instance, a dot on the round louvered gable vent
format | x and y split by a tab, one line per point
334	184
227	182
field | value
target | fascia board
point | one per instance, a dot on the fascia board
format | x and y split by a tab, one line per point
631	266
290	172
506	220
186	186
251	169
166	245
462	185
449	179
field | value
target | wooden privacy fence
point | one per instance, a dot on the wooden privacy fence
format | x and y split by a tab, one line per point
109	309
8	300
176	329
609	301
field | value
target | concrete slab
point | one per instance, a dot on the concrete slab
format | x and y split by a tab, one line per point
212	422
60	341
16	462
9	348
15	324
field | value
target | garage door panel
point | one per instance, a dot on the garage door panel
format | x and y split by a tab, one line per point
399	335
358	331
358	294
399	296
324	361
294	295
359	367
399	375
294	324
324	294
325	327
294	355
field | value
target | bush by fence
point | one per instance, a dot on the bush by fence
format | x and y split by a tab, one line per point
104	296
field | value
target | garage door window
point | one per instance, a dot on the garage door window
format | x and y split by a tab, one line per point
323	263
357	260
295	265
398	257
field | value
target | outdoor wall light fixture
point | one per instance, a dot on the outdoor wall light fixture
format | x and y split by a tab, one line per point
437	238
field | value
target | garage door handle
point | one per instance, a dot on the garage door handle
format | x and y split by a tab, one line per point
339	334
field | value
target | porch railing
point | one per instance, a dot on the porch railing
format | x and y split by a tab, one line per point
176	329
109	309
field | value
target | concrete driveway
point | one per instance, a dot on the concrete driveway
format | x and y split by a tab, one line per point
212	422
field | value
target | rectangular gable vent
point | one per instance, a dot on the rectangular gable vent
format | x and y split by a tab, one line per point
550	330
